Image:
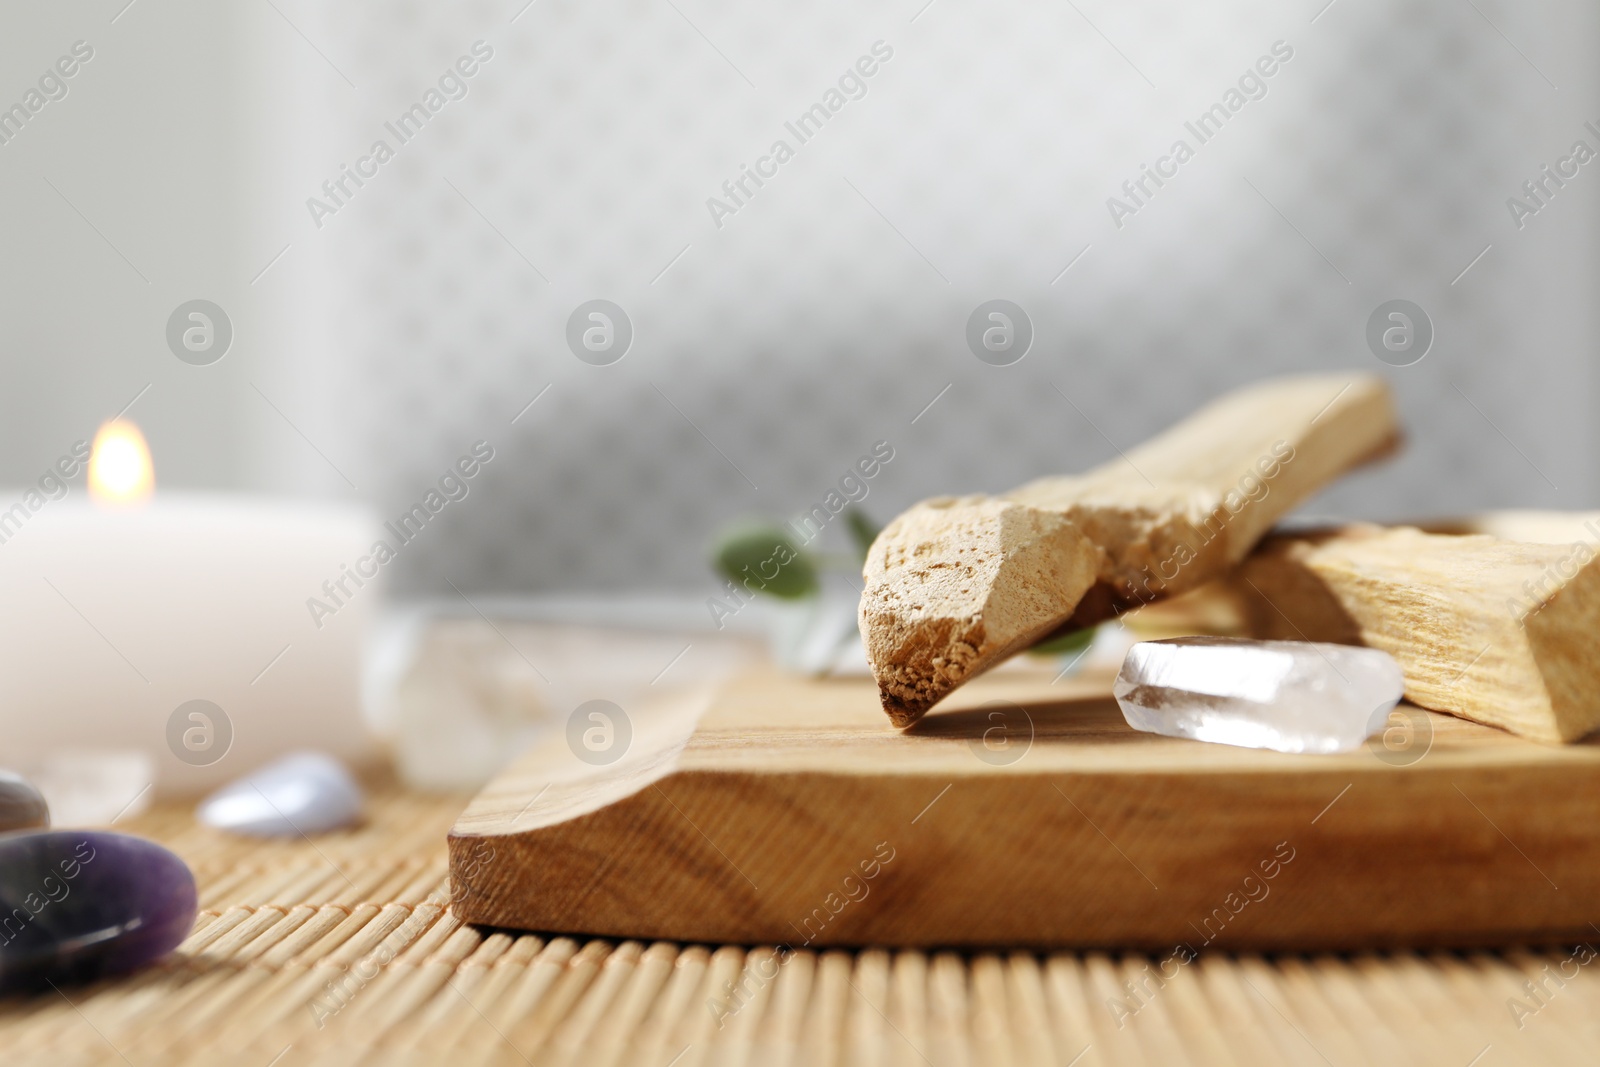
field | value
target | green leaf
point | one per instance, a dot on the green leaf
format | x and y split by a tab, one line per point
863	531
1068	644
764	560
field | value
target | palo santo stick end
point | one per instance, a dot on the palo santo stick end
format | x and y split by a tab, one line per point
1497	631
955	585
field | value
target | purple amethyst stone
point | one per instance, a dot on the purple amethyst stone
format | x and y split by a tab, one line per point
80	904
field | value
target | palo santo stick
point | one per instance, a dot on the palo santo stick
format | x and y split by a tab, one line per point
956	585
1497	631
1535	527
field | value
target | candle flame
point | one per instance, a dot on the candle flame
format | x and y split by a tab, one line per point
120	469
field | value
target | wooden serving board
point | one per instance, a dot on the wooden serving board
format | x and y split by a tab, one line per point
789	812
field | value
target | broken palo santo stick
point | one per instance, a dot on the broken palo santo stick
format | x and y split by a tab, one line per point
1500	632
956	585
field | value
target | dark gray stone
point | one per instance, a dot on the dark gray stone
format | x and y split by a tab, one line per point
21	806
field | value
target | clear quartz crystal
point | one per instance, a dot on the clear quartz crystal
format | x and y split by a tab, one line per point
94	787
1292	696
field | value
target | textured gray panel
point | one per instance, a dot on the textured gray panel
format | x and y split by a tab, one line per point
831	308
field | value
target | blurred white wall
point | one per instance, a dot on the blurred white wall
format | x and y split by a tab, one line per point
831	308
122	201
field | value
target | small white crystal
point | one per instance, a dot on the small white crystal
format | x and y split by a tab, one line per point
94	787
303	793
1292	696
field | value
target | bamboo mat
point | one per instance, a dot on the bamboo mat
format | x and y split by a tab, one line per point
341	950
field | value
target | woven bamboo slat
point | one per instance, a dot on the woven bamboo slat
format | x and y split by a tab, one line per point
342	950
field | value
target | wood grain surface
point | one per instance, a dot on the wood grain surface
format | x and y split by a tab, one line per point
1501	627
1026	813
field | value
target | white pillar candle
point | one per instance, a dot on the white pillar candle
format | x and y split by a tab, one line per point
113	618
